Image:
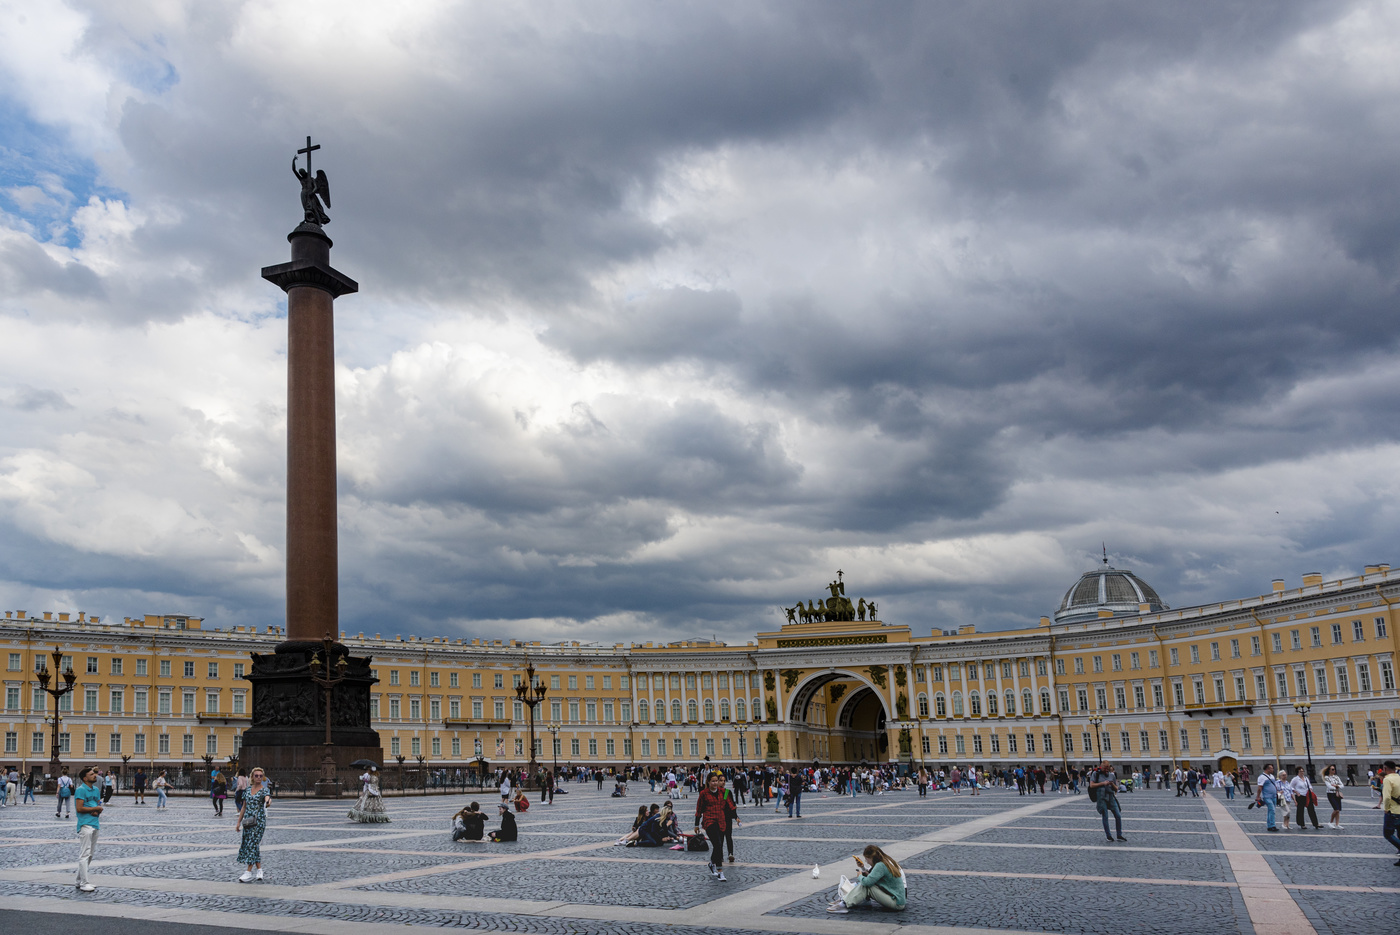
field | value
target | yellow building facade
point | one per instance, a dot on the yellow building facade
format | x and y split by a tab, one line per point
1114	672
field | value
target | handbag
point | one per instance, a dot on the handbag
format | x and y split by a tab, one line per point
1312	797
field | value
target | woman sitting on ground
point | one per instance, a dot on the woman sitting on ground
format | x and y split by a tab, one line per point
879	877
637	823
507	831
468	824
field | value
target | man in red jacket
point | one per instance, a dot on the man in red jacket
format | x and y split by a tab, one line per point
713	812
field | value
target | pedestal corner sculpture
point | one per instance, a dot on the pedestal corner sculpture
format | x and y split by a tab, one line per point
307	725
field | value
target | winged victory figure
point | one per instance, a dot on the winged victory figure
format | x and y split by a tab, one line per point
313	187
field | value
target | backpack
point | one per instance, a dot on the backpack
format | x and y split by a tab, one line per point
1093	794
696	842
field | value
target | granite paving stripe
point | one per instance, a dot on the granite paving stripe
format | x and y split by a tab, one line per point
1265	899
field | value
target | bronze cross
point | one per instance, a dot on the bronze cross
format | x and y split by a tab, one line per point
308	151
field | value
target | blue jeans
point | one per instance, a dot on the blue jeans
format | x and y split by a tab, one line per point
1106	804
1229	791
1391	829
1269	804
795	803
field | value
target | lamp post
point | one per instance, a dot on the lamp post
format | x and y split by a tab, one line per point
399	758
742	728
69	677
1096	720
126	758
1303	708
331	673
422	774
554	728
530	695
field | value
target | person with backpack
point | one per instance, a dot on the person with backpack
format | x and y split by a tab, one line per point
1103	792
65	795
1267	795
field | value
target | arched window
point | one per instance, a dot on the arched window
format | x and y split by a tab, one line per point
957	704
693	710
940	707
976	703
1045	701
992	704
1027	705
740	712
923	705
724	709
1010	703
675	712
709	710
643	710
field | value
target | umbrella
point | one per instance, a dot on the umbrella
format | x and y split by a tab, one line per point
365	763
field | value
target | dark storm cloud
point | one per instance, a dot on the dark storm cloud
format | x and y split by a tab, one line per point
796	278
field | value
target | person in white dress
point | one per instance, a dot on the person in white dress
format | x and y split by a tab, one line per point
369	807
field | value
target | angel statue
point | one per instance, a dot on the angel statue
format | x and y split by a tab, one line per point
311	188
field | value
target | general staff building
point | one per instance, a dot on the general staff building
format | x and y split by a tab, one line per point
1114	672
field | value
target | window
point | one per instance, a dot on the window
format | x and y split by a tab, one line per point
89	743
1059	667
1380	628
957	705
394	708
709	710
1261	687
1254	648
676	716
1394	733
1117	662
1363	676
958	743
393	676
1281	680
1107	742
1343	680
413	678
165	669
452	683
1098	663
1157	695
975	702
1200	691
692	710
1278	642
1239	688
1287	736
1088	740
1300	678
1245	741
14	662
1215	651
588	682
433	680
500	709
740	711
415	745
1327	737
976	743
938	673
37	742
164	703
1234	649
1120	696
1135	660
187	744
211	702
1162	744
1358	634
1267	733
1083	699
996	743
1139	696
1195	653
92	669
1101	696
239	703
476	680
1205	739
1336	633
189	670
1315	633
12	698
1179	693
1350	730
1045	705
434	710
690	680
1387	675
1219	689
1176	656
923	705
499	680
238	670
1185	741
12	741
1152	658
1064	700
90	702
1079	666
1123	738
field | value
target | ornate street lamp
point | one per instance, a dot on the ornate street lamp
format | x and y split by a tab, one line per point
554	728
1096	720
330	674
399	757
1303	708
742	729
69	677
422	774
530	695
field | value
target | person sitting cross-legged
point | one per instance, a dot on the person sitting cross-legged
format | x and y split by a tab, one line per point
879	878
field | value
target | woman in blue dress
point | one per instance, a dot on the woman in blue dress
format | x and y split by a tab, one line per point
252	821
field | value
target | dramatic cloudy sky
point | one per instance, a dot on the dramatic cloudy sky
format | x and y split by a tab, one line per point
670	310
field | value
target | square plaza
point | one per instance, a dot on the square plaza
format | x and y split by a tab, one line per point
993	862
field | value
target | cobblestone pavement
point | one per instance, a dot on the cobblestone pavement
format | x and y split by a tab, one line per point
999	862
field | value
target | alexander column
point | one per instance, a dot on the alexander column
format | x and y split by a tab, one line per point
290	708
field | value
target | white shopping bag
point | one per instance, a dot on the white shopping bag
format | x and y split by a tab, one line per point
844	886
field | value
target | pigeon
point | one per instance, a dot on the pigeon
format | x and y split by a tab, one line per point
816	871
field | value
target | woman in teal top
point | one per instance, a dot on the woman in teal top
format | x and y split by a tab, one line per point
252	820
880	878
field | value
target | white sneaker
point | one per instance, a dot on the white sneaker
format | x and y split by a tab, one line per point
86	888
247	877
1338	826
259	874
